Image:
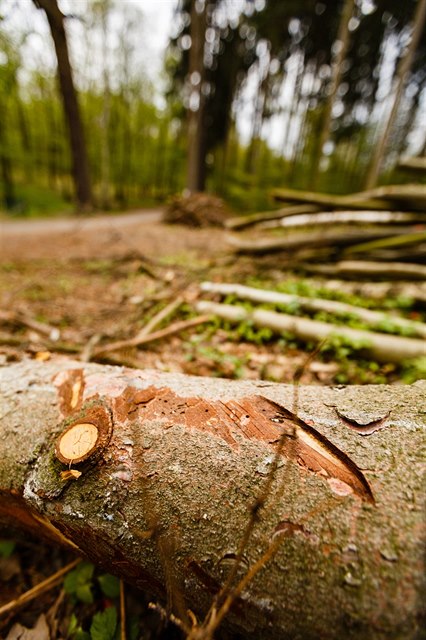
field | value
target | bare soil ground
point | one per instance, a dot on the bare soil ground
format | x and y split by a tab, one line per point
107	275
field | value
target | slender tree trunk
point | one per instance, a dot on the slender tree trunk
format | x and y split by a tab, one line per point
196	168
5	162
343	37
253	151
106	112
80	165
400	82
164	494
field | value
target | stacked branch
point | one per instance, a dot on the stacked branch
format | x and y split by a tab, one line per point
380	226
381	346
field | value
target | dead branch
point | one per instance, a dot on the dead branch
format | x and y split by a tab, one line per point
313	304
324	218
39	589
383	347
404	240
298	240
163	314
413	164
139	340
240	222
21	319
386	270
409	196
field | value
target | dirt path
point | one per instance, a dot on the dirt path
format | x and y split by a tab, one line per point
103	236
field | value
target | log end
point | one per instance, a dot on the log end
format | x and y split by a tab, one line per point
84	438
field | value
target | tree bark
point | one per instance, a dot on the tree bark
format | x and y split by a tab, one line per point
80	164
165	493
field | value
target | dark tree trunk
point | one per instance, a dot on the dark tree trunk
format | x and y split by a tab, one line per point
6	175
80	165
196	169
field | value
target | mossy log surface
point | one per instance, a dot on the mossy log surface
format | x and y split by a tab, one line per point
166	499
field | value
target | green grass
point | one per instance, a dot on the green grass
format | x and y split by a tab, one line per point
34	201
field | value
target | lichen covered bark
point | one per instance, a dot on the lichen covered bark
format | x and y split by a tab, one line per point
165	501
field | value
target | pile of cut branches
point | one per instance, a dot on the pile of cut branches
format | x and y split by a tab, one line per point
373	338
376	233
196	210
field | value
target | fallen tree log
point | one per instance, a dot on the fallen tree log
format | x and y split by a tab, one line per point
241	222
413	164
314	304
383	347
359	217
407	196
162	498
387	270
293	241
403	241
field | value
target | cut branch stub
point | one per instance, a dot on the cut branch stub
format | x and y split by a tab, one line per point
85	437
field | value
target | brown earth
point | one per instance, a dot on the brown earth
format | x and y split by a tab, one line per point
100	279
107	275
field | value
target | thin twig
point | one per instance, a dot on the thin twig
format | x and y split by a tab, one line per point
122	610
86	354
19	318
40	588
156	335
167	311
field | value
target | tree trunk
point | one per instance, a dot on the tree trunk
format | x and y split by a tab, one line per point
80	165
6	172
400	82
196	170
167	489
343	38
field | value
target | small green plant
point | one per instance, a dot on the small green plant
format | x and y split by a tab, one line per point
7	547
86	589
414	370
104	624
79	583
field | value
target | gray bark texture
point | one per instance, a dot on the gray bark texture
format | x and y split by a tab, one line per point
164	502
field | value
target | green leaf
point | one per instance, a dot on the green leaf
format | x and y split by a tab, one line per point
79	582
7	547
84	593
110	585
73	625
104	624
75	631
134	628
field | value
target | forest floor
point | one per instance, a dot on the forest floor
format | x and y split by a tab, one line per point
107	275
101	279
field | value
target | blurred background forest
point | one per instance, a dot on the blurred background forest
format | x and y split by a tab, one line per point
231	96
